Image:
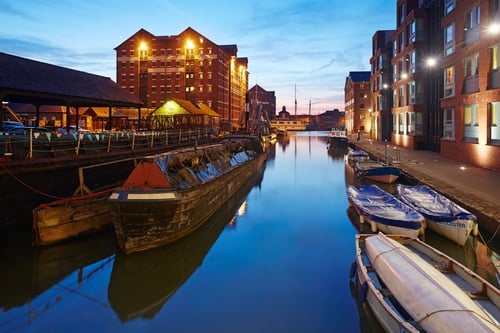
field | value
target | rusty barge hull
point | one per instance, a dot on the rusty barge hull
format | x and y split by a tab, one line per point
146	218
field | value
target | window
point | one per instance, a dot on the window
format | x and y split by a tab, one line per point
449	5
470	123
495	126
412	31
411	92
401	123
401	96
413	61
494	58
471	26
472	66
401	13
394	123
411	123
449	39
448	124
472	18
449	81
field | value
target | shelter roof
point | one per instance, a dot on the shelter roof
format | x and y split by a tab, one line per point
180	106
29	81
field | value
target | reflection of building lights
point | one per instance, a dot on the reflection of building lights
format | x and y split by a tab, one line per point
462	167
243	209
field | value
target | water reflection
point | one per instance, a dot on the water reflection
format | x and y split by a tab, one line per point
368	323
29	275
141	283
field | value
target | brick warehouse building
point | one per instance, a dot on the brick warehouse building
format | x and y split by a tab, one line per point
187	66
471	99
357	102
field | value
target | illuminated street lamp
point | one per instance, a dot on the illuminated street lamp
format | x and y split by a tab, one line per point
143	54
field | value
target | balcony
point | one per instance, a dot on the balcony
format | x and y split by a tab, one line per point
471	84
494	79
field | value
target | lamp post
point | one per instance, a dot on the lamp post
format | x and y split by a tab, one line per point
142	55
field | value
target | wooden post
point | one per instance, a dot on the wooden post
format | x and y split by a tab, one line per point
109	140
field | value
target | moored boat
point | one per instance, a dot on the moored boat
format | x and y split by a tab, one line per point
141	283
354	156
71	218
412	287
442	215
377	171
384	212
169	195
338	138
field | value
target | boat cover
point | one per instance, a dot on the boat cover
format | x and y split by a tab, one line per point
435	302
374	168
432	205
382	207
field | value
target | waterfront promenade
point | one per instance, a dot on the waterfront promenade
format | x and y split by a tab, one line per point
475	188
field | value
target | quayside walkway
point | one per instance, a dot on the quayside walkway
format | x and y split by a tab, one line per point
475	188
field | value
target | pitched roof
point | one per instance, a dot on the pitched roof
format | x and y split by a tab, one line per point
181	106
29	81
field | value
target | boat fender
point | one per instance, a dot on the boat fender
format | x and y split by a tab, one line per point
352	271
363	292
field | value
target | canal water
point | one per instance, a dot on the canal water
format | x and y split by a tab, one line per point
275	258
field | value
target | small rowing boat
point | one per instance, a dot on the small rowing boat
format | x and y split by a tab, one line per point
384	212
412	287
442	215
354	156
377	171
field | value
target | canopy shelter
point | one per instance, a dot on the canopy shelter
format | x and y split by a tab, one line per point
179	113
32	82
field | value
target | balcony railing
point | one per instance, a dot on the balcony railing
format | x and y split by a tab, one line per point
471	84
494	79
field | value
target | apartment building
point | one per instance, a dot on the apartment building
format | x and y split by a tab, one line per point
186	66
380	86
471	89
357	102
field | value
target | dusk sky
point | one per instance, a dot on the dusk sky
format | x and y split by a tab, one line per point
308	44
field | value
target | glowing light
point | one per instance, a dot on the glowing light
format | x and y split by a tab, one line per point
431	62
494	28
462	168
143	46
404	75
189	44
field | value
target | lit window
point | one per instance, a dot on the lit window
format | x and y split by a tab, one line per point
494	58
495	128
448	124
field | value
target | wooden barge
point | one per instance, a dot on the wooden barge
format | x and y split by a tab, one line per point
170	195
141	283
